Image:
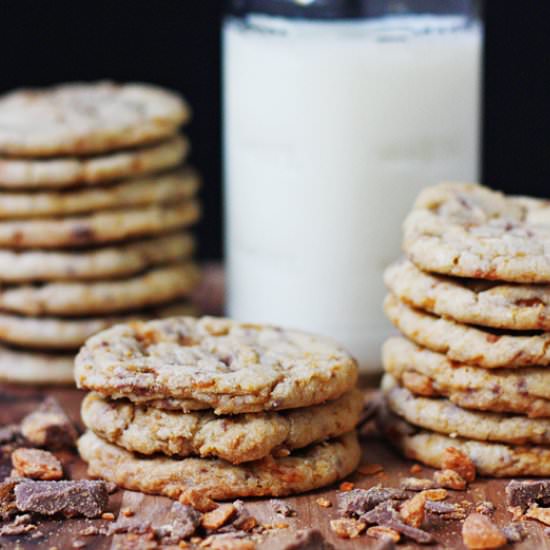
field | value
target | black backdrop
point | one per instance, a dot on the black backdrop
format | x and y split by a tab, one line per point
176	43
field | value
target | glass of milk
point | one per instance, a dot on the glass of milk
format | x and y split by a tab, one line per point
336	114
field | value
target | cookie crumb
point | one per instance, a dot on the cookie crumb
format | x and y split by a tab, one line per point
479	533
435	494
450	479
323	502
417	484
486	508
347	528
36	464
198	500
220	516
282	508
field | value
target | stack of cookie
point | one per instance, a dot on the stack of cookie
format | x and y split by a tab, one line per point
212	409
93	200
473	303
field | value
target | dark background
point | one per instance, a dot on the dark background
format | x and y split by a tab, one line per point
176	43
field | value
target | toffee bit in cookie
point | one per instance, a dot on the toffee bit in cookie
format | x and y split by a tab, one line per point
49	426
69	498
480	533
381	532
198	500
347	528
282	508
412	510
486	507
540	514
514	532
524	493
217	518
454	459
417	484
36	464
450	479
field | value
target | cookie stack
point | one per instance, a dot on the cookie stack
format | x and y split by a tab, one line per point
93	200
473	304
215	409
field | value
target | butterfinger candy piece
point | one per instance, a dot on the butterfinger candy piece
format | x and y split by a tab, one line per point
69	498
479	533
524	493
36	464
49	426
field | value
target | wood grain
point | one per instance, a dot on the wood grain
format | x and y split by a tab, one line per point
16	402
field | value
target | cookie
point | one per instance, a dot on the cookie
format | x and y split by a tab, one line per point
65	172
97	228
56	333
490	459
157	286
237	439
468	344
424	372
125	259
84	118
29	367
229	366
442	416
165	188
470	231
471	301
316	466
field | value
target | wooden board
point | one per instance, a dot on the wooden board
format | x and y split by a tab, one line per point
16	402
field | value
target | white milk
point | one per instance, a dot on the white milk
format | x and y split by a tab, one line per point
331	130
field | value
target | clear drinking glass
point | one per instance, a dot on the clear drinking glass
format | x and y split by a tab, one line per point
336	114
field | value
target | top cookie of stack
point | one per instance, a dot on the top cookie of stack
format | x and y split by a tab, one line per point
473	301
93	198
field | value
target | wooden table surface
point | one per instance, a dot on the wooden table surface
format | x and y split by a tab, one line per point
15	402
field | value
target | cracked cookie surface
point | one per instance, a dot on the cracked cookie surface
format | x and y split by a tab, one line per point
85	118
471	301
442	416
468	230
304	470
157	286
469	344
490	459
424	372
218	363
58	173
236	438
169	187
